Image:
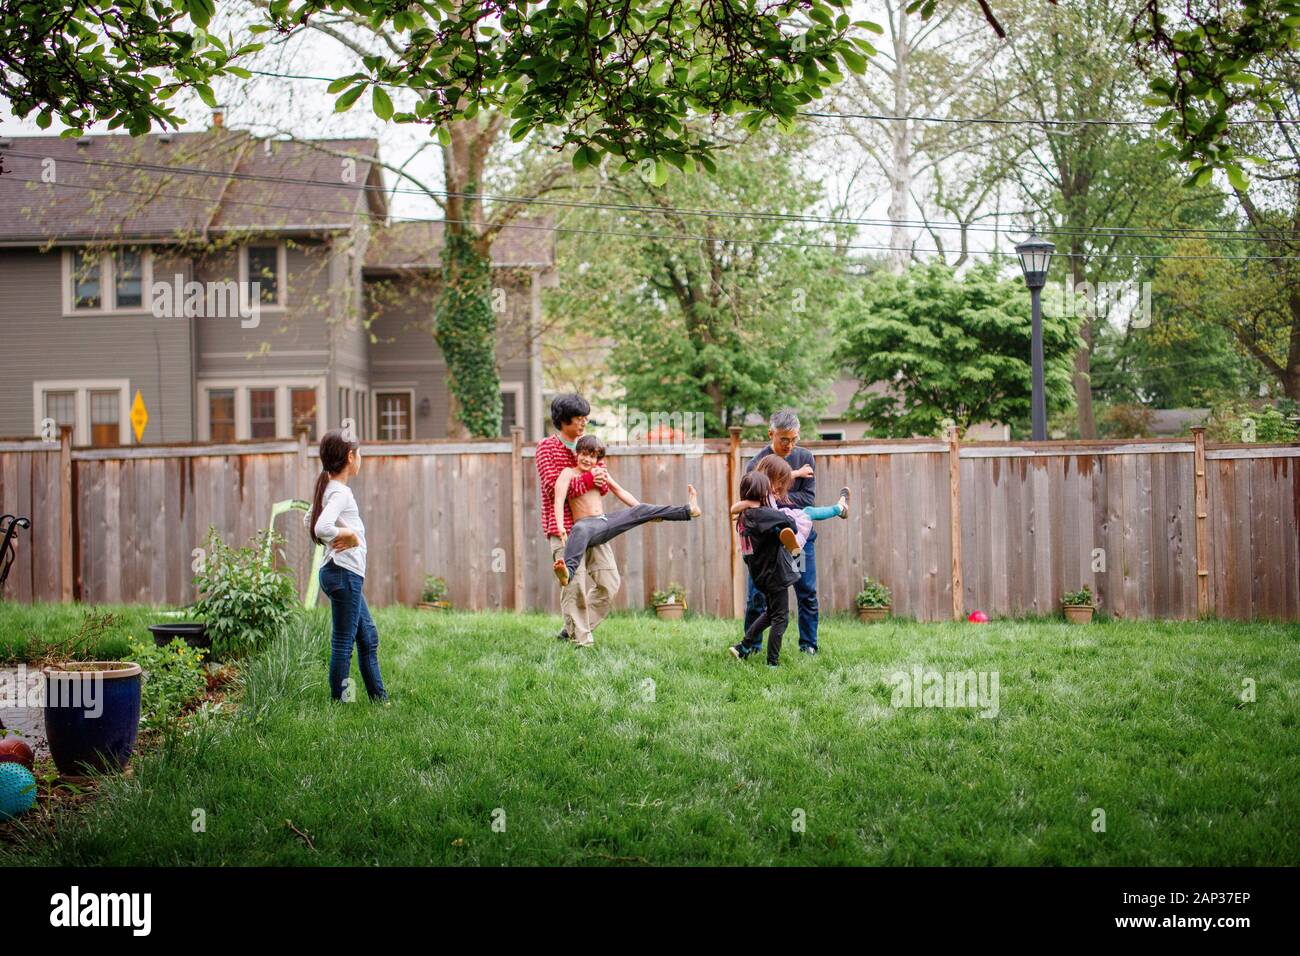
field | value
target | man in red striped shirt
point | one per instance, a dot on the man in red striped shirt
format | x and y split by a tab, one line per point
589	595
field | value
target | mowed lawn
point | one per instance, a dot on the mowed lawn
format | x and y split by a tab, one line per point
504	746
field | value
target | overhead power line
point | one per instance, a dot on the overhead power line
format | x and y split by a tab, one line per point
629	233
987	120
1116	232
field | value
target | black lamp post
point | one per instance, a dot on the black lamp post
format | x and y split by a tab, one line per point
1035	256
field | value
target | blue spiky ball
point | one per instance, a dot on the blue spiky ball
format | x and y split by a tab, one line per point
17	790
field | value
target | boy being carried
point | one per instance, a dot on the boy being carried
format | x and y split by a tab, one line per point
591	526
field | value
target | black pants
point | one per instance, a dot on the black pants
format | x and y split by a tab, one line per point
776	614
589	532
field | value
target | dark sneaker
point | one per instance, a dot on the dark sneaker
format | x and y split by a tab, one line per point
808	650
737	652
773	664
844	502
563	635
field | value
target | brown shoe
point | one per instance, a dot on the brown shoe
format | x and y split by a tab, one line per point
790	541
561	572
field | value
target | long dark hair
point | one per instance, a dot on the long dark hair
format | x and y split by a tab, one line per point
755	486
334	451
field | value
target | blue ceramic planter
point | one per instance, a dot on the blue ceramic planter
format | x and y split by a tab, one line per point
92	715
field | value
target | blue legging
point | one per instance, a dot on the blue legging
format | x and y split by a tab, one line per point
822	512
352	623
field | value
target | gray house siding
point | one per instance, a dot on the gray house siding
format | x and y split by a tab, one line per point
403	354
40	343
294	339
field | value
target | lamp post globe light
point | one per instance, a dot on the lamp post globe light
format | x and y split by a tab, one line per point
1035	257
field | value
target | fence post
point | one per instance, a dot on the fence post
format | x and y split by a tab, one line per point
954	521
737	562
517	513
1202	526
65	513
304	486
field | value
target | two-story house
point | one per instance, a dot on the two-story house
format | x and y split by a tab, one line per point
244	288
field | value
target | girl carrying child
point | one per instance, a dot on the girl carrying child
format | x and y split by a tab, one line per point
780	478
768	544
335	519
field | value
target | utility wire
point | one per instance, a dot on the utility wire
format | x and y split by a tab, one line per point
1117	232
630	234
972	120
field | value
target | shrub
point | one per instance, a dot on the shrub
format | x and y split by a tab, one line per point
1127	421
873	594
674	593
173	676
435	591
1227	423
243	598
1079	598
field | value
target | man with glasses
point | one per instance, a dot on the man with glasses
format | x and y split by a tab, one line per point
783	437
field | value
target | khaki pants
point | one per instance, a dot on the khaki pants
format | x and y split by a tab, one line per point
589	595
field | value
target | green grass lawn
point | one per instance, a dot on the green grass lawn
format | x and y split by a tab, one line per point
577	762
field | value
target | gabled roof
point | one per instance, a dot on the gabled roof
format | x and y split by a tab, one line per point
527	243
180	186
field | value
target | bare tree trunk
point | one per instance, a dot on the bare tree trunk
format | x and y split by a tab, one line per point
1083	357
900	134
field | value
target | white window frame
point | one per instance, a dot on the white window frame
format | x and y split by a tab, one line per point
375	392
83	388
241	388
521	410
281	279
107	283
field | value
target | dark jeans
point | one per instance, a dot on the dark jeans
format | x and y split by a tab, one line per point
352	623
589	532
775	614
805	593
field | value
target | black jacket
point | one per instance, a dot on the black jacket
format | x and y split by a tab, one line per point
770	565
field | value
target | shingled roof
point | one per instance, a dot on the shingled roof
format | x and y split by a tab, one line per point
181	186
525	244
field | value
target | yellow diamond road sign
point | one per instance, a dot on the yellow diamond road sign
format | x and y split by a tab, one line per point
139	415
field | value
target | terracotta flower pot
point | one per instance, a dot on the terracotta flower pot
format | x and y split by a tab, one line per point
871	614
670	612
1078	613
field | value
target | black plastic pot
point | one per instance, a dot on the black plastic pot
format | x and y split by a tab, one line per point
191	632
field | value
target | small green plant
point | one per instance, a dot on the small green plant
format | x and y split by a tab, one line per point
435	591
173	676
873	594
1079	598
1244	421
674	593
243	598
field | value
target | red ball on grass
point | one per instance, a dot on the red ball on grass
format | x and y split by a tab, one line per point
15	750
978	617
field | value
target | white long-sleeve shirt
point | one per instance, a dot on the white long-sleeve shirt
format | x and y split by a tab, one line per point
340	503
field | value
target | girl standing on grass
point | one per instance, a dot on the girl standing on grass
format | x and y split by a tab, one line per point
768	544
335	520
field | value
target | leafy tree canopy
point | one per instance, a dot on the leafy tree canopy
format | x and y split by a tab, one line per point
616	77
949	348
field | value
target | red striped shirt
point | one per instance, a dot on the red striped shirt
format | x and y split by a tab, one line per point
553	456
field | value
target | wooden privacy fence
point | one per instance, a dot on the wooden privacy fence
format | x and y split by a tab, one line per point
1157	528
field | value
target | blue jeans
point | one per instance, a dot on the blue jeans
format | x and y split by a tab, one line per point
805	593
352	623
